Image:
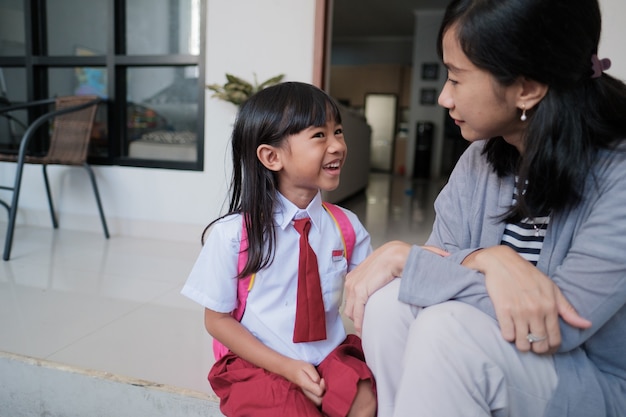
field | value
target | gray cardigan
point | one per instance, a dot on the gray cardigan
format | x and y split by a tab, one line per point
584	253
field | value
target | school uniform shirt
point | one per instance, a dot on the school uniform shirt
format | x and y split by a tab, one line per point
271	305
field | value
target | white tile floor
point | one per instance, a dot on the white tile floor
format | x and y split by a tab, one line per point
77	299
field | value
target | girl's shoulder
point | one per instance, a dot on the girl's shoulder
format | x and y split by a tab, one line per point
226	228
352	217
229	219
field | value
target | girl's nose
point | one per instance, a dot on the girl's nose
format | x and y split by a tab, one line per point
337	144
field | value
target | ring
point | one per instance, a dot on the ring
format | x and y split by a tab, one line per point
534	338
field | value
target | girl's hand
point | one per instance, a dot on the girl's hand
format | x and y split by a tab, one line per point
526	301
225	328
304	375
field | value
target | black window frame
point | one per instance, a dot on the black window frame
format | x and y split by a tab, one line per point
36	63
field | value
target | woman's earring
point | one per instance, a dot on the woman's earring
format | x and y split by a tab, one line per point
523	116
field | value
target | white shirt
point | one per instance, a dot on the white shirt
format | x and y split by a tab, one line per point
271	306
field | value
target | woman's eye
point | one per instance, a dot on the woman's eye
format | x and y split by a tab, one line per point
451	81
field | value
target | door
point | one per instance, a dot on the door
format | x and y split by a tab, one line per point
380	112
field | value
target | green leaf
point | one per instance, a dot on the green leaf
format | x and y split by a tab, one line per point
236	90
271	81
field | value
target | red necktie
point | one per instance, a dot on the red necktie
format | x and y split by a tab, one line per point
310	314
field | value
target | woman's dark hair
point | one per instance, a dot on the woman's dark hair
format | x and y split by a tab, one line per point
268	118
552	42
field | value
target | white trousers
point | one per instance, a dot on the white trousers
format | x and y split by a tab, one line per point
449	360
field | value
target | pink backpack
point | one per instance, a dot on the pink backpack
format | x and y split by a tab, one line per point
244	285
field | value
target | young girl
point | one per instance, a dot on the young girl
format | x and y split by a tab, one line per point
287	145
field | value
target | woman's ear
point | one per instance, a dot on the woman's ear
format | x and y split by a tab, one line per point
269	157
531	93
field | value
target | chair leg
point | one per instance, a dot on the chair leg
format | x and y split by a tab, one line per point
8	241
97	194
53	216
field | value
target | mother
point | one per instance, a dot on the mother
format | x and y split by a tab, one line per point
533	218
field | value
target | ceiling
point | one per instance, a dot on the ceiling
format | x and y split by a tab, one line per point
378	18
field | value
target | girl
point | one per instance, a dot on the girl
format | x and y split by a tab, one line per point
532	216
287	145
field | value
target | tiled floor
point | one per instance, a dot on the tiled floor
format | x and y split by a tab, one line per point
77	299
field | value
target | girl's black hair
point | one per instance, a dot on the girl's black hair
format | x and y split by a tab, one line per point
268	118
552	42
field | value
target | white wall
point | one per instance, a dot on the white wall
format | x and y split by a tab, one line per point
613	34
243	37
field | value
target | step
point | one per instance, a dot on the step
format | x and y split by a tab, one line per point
31	387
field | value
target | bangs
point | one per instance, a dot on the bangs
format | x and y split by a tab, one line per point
306	107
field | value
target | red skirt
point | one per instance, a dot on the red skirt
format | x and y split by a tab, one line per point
247	390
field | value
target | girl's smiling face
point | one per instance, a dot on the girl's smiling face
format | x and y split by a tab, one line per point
311	160
479	105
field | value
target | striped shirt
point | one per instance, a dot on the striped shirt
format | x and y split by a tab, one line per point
526	236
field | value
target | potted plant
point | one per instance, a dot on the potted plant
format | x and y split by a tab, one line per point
237	90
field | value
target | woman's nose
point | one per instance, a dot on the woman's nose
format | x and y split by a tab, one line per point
445	99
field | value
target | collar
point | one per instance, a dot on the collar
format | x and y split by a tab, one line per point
287	211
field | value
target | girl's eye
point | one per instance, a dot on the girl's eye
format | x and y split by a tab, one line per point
319	134
338	132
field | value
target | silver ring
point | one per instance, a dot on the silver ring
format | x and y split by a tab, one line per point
534	338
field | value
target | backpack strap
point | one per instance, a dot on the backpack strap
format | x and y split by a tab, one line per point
244	285
243	288
348	237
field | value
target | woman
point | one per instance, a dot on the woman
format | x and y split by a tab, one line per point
532	219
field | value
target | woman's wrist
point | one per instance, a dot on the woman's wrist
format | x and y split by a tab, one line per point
398	254
471	261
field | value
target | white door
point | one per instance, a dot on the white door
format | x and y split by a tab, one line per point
380	112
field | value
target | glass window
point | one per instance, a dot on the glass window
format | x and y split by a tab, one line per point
13	83
178	21
84	81
12	91
12	32
78	81
84	34
162	113
142	56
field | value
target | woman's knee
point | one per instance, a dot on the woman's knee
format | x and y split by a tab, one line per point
383	311
451	325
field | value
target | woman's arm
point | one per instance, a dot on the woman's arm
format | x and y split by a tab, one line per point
232	334
583	256
378	269
525	300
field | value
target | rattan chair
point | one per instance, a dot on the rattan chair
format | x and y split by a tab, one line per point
71	121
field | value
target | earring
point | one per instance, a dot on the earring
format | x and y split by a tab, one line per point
523	116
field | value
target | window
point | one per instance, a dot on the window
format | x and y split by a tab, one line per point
145	57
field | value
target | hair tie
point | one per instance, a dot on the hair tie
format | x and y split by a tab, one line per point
599	65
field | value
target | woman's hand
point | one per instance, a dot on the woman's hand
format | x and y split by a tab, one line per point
526	301
376	271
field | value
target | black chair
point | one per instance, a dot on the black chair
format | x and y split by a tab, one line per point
71	121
